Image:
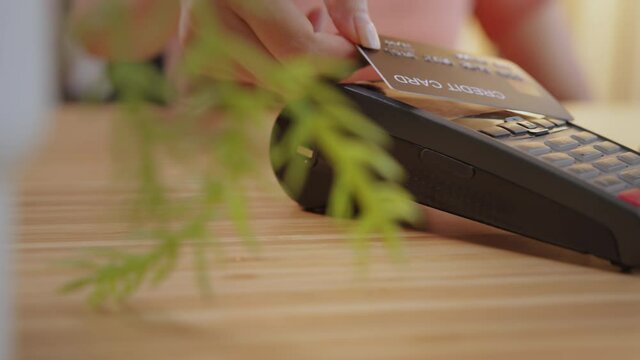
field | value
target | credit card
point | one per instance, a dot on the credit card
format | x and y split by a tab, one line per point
458	76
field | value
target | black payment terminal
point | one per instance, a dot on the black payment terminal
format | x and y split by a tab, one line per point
480	138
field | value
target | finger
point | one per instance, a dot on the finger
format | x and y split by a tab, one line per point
286	32
230	23
234	24
352	20
318	18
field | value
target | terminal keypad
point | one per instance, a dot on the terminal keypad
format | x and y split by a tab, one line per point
583	154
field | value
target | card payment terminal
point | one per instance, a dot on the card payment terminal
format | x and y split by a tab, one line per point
492	156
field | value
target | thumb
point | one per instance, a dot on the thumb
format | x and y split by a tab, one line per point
352	20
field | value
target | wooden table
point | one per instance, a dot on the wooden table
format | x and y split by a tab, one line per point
467	291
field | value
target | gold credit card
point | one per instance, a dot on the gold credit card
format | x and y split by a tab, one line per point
453	75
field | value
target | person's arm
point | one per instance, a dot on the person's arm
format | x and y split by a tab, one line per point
534	34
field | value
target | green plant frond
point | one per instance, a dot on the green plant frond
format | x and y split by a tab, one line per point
393	242
202	266
295	175
352	122
166	264
76	284
383	164
236	203
139	81
341	201
219	152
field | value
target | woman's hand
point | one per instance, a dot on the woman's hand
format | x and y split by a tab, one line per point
277	26
282	30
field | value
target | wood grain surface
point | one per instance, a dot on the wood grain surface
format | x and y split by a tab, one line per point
466	291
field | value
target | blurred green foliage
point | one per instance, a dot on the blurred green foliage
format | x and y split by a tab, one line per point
221	160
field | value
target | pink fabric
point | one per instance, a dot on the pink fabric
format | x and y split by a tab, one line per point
437	22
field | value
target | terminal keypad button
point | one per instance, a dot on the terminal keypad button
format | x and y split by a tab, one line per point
630	158
495	131
609	164
584	171
585	153
562	143
607	147
558	122
534	148
610	183
631	196
585	137
544	123
632	176
538	131
513	128
527	124
559	159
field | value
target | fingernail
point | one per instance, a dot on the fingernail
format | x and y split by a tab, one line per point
367	32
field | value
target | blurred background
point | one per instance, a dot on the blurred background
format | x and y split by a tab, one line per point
606	35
